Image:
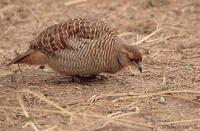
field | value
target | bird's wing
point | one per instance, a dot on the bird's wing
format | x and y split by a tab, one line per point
72	34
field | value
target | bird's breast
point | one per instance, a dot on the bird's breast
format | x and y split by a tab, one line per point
92	59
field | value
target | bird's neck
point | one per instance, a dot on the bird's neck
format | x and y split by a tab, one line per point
121	57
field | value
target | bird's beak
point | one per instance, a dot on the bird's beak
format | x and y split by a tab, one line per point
138	65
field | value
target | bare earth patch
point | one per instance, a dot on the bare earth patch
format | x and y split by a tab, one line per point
166	96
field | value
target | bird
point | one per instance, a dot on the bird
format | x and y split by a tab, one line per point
80	47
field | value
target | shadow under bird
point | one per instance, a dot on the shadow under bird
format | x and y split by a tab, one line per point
80	47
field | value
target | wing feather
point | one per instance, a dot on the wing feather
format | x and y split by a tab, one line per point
72	34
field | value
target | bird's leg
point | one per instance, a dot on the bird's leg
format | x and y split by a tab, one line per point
92	76
95	76
78	78
102	77
87	77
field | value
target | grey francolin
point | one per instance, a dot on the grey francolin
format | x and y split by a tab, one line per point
79	47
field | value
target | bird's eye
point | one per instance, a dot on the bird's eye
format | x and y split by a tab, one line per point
132	59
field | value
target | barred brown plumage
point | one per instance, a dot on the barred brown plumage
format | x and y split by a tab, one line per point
57	36
81	46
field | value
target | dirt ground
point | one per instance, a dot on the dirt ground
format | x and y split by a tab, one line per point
166	96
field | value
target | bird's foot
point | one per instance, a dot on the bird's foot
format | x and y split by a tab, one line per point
88	78
101	77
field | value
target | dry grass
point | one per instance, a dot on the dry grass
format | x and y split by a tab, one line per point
74	2
79	117
114	118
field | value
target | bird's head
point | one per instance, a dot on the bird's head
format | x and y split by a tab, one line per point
130	55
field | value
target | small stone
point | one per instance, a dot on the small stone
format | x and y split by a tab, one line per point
162	100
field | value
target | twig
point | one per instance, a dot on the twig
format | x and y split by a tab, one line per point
24	81
154	55
92	99
125	34
122	122
26	113
47	101
147	37
144	95
120	114
20	68
130	69
31	109
155	40
74	2
182	121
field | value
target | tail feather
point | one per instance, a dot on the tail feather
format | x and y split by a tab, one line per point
30	57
